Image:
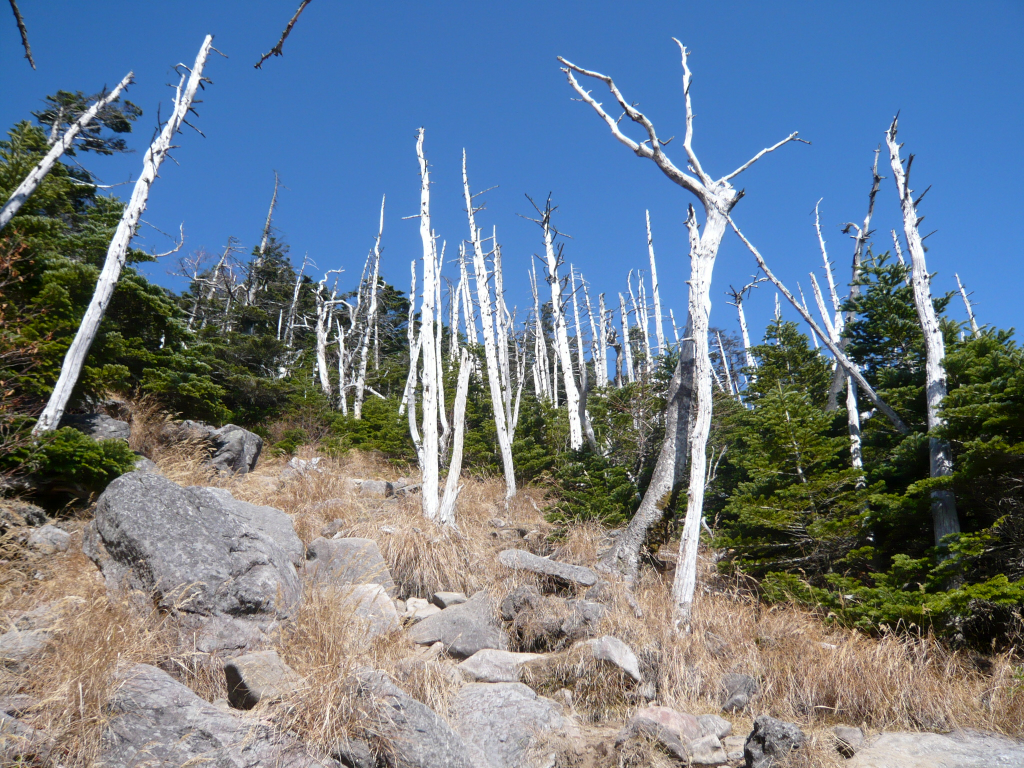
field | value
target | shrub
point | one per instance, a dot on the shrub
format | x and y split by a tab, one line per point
67	457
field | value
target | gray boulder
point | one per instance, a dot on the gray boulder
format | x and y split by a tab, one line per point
157	721
501	722
463	629
190	549
347	561
49	540
21	744
377	489
259	677
521	560
612	651
371	605
714	725
671	729
19	647
270	521
739	690
771	742
98	426
959	749
417	609
235	450
15	513
448	599
491	666
416	736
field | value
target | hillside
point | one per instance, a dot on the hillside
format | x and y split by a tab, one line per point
813	674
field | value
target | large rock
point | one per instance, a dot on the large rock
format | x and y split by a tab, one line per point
270	521
547	622
416	735
520	559
612	651
235	450
98	426
259	677
190	549
673	730
157	721
463	629
959	749
347	561
491	666
849	739
771	742
21	744
500	722
19	647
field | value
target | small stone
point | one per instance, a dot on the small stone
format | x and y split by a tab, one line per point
493	666
520	559
615	652
848	739
739	690
707	750
672	729
18	647
771	742
714	724
259	677
49	540
378	489
417	609
448	599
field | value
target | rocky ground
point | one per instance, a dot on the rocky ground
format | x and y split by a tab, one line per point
303	613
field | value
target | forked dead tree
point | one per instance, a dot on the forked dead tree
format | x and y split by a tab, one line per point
940	457
60	145
190	82
975	330
718	197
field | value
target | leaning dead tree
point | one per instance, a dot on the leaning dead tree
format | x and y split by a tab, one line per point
940	457
370	325
23	31
975	330
492	321
256	271
278	50
190	82
718	197
61	144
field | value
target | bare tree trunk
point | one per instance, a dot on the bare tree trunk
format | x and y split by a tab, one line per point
430	404
254	286
118	249
540	345
446	514
975	330
371	319
588	428
410	330
289	335
658	329
627	347
944	514
467	300
603	328
499	395
718	198
643	320
563	356
725	367
60	146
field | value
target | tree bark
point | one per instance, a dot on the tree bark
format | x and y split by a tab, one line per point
117	252
944	513
60	146
371	319
446	514
658	329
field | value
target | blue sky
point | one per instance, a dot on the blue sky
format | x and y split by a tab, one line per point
336	117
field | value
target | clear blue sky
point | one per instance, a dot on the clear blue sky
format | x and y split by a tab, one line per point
336	117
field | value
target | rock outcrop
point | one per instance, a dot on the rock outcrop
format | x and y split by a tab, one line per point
959	749
336	562
520	559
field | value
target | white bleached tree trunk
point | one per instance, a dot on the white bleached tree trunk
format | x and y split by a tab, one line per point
371	319
725	367
588	428
718	197
597	347
975	330
944	514
429	349
446	512
602	329
500	395
656	295
540	351
117	252
626	346
60	146
563	355
253	287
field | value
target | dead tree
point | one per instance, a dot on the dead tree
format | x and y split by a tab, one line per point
588	428
446	511
658	329
278	50
737	301
718	197
58	147
975	330
255	271
626	346
940	457
190	82
371	318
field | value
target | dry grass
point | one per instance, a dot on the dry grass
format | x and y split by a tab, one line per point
810	673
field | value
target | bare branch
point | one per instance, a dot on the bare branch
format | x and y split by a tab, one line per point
841	359
277	50
762	153
24	33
